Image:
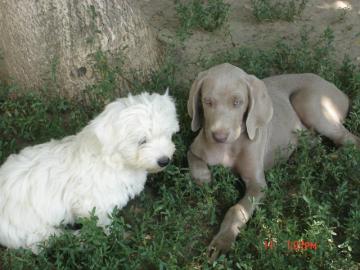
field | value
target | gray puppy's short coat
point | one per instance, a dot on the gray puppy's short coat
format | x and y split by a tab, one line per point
244	122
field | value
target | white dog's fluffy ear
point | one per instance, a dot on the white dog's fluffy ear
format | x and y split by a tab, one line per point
166	91
103	130
103	126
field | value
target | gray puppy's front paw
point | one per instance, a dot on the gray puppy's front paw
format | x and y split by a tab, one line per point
201	176
221	244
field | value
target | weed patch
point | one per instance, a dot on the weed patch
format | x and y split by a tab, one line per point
271	10
207	15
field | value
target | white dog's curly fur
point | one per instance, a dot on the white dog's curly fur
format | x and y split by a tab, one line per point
103	166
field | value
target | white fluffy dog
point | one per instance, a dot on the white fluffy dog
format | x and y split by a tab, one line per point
103	166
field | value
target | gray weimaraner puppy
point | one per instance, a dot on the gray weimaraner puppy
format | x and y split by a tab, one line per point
244	121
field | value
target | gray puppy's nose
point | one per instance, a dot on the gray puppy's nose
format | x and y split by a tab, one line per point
163	161
220	136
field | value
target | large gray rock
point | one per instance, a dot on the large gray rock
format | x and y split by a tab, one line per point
53	42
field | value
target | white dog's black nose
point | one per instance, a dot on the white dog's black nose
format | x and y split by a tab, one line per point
163	161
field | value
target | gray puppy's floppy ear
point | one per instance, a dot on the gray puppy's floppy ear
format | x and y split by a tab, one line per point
194	102
260	108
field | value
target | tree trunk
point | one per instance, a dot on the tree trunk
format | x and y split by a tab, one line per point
47	42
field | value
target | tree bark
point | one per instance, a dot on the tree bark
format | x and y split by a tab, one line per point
53	42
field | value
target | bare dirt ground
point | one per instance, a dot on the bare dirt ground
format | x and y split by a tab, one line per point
343	17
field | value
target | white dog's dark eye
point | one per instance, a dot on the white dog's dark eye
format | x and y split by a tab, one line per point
142	141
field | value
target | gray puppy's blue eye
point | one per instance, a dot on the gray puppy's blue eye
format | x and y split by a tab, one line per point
142	141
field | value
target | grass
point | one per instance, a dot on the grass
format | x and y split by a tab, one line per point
273	10
312	197
200	14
